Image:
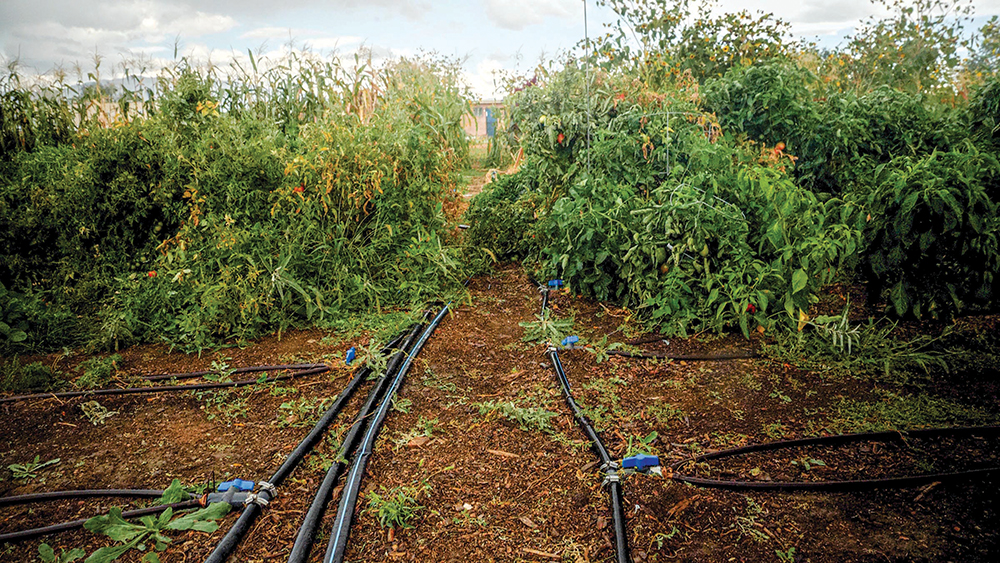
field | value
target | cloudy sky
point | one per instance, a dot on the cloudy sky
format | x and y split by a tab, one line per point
487	34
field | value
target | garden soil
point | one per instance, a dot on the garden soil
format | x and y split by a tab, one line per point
493	488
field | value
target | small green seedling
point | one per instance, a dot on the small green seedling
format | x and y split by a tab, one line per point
546	329
96	413
808	463
786	556
641	445
27	470
48	555
397	507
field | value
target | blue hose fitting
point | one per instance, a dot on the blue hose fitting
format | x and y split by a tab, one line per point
240	484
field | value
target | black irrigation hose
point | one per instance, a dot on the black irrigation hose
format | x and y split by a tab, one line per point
307	531
717	357
81	493
242	525
248	369
612	478
348	501
853	485
74	524
164	388
614	485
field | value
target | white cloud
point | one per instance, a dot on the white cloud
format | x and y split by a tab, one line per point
483	79
825	12
518	14
277	33
332	43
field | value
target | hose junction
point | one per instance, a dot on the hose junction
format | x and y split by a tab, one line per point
613	470
358	444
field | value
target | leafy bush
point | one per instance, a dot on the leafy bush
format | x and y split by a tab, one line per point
17	377
98	372
206	220
502	216
29	324
984	114
933	234
837	141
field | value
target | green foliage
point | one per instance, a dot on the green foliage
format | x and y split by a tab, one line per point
675	39
96	413
26	471
151	529
526	418
501	219
985	57
48	555
831	346
174	493
299	413
837	142
933	234
892	411
231	206
98	372
787	555
642	445
984	116
17	377
917	48
29	324
546	329
399	506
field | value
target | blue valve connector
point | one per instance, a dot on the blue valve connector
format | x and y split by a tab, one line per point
240	484
640	462
351	354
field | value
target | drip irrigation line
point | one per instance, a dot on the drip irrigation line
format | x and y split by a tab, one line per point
648	339
348	501
74	524
250	512
81	493
612	479
248	369
831	486
163	388
716	357
307	531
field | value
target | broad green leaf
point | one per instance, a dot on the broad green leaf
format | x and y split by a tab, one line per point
900	300
174	493
114	526
200	520
72	555
109	554
799	280
46	553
